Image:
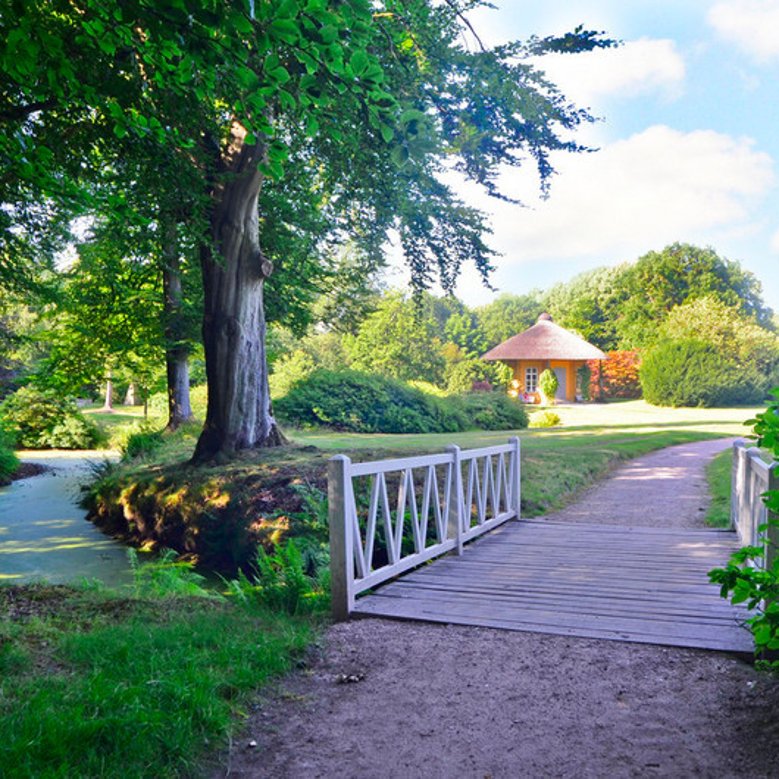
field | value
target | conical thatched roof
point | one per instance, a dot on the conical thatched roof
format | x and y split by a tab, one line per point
545	341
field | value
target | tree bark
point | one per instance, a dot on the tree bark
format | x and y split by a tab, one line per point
108	405
176	349
239	412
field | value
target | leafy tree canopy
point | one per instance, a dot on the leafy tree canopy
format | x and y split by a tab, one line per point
398	341
508	315
590	304
658	281
735	337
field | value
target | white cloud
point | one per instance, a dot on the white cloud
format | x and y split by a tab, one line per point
775	242
636	68
752	25
650	189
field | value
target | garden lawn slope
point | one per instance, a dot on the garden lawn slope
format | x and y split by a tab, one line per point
218	514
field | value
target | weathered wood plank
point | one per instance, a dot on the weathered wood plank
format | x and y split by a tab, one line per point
631	584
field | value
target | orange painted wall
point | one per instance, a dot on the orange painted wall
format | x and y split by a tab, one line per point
571	366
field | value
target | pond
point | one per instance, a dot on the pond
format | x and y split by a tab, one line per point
44	533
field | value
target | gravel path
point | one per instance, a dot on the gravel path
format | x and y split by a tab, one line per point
448	701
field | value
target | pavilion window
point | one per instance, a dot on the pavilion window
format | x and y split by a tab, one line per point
531	379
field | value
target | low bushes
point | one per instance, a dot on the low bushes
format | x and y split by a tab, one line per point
491	411
43	419
545	419
365	403
689	372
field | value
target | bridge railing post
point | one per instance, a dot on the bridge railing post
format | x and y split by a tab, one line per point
339	482
455	520
772	533
736	486
516	478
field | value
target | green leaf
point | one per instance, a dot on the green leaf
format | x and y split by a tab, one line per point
399	156
280	75
285	30
358	62
287	9
387	133
328	33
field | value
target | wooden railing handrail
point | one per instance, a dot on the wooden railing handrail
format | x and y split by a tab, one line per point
452	506
751	476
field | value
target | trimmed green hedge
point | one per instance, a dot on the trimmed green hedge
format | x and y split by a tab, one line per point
43	419
688	372
367	403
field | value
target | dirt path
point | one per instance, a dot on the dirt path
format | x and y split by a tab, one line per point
43	530
446	701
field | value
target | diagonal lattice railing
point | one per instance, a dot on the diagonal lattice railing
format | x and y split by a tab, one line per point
751	476
389	516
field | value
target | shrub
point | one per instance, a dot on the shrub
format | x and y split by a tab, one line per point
464	375
8	460
43	419
141	443
491	411
584	376
615	377
365	403
688	372
545	419
548	384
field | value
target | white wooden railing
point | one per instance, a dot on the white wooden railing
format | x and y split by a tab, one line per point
751	476
443	501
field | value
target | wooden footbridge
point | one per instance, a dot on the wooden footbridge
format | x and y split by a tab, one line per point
450	547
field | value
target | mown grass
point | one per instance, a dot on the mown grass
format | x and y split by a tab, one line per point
718	477
92	684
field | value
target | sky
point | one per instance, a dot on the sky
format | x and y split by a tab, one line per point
687	141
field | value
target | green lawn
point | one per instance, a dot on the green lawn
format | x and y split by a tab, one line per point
93	684
582	424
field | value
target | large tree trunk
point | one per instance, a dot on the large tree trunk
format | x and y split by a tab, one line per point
176	349
234	271
108	405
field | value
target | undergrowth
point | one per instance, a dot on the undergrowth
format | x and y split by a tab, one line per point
93	684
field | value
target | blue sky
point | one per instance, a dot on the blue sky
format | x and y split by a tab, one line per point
688	142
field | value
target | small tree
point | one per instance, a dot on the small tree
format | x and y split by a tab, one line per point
584	374
548	384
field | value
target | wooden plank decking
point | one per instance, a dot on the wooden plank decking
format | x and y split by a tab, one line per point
621	583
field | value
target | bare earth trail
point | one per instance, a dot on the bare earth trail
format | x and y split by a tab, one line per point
449	701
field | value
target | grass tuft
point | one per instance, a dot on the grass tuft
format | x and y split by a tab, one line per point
718	477
95	685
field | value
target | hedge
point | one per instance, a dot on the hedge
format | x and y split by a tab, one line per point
688	372
366	403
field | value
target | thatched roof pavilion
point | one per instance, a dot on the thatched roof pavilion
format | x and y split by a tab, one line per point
545	345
